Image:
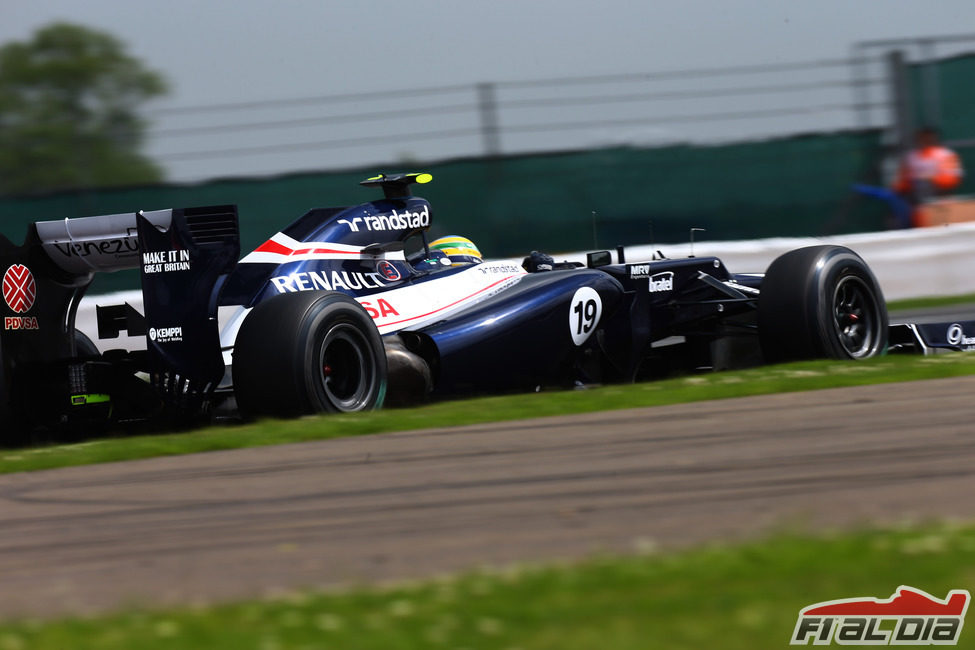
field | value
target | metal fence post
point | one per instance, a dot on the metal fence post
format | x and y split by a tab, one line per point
931	100
488	108
900	86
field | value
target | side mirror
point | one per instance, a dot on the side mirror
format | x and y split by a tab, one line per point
599	258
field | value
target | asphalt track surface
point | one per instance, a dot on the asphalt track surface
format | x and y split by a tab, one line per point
246	523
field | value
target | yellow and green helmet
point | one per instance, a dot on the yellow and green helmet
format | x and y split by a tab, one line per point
459	250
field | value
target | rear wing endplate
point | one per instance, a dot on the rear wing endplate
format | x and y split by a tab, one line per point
183	268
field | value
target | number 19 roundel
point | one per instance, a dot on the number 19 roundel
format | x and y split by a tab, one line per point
584	312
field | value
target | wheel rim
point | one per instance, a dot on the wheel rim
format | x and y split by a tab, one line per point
855	317
345	367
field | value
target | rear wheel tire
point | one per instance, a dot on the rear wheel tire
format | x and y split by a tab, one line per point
311	352
6	412
91	418
821	302
84	346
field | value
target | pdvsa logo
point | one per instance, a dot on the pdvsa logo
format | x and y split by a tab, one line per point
20	323
909	617
19	288
19	292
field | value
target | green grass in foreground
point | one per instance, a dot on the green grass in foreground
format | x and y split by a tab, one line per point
759	381
742	596
933	301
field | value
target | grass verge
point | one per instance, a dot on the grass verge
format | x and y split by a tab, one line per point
741	596
934	301
759	381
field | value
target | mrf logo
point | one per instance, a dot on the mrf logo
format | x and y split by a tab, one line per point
639	271
909	617
19	292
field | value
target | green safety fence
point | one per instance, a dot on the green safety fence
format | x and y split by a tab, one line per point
554	201
953	101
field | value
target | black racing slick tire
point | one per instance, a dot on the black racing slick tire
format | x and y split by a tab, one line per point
84	347
6	421
821	302
310	352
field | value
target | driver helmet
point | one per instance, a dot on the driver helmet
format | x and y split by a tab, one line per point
459	250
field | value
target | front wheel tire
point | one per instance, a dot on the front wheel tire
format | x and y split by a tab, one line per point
821	302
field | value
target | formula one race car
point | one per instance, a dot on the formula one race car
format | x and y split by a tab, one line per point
348	308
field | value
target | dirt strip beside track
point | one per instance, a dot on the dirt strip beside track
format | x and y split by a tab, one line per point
225	525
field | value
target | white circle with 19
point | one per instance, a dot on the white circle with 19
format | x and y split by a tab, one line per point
584	312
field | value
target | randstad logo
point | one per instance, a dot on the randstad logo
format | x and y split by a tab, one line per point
909	617
393	221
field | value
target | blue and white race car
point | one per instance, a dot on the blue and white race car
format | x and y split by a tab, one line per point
351	308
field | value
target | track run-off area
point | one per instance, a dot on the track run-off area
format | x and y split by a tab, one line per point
204	528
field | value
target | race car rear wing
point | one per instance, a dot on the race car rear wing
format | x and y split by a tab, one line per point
91	244
183	269
183	256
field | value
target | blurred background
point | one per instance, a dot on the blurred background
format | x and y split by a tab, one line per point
539	120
